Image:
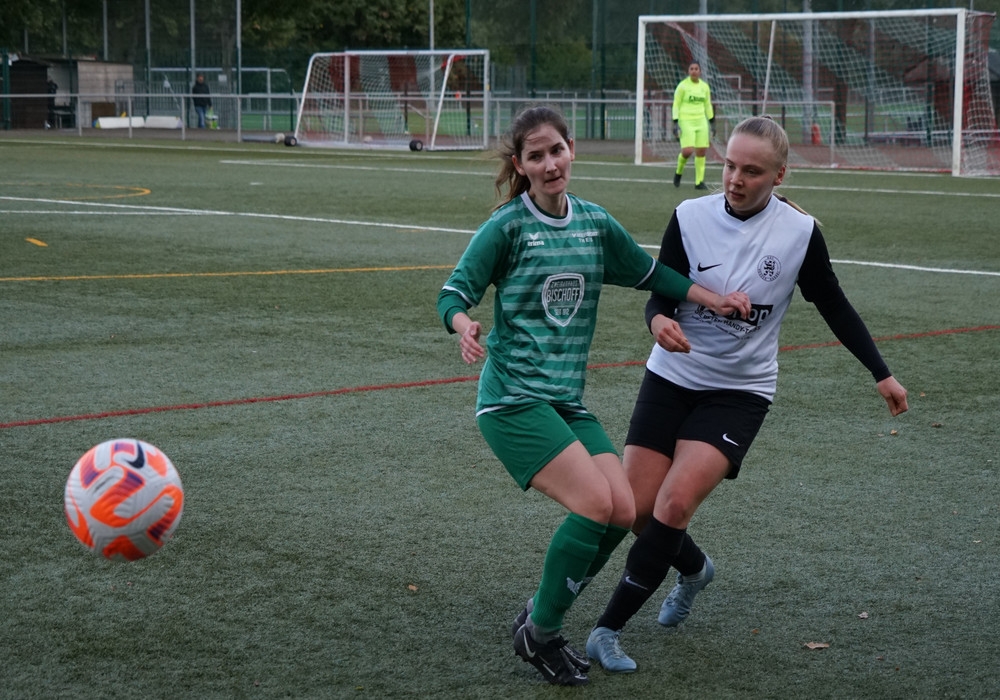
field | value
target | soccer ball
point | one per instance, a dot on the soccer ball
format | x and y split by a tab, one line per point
124	499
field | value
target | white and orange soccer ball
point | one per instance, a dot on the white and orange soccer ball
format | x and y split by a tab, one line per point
124	499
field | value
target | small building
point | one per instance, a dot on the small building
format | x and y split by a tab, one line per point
85	89
27	77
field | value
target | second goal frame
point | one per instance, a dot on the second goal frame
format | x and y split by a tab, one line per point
901	89
420	99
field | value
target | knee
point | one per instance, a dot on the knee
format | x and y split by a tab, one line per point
598	505
674	511
624	513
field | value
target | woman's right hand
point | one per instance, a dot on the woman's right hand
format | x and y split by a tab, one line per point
734	302
472	351
468	338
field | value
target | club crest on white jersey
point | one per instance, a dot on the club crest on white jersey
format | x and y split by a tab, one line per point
769	268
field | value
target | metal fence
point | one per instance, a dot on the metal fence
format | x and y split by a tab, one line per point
257	116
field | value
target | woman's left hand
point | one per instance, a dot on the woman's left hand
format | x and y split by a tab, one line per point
669	335
894	395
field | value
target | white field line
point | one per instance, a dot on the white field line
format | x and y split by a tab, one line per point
592	178
895	266
427	156
118	209
109	209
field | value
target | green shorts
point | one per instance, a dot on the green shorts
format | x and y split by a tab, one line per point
694	133
526	437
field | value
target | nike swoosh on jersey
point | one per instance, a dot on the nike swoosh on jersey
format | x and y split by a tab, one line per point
702	268
725	436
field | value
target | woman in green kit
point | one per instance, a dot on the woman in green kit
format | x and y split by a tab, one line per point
547	254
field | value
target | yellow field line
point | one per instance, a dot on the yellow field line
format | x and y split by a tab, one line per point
248	273
129	190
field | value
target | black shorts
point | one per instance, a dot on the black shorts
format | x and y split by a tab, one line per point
664	413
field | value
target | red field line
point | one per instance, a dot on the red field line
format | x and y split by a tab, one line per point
412	385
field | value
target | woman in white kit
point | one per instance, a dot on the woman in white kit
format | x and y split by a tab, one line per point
697	412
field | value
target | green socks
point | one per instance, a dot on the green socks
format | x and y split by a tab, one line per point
699	169
612	538
573	553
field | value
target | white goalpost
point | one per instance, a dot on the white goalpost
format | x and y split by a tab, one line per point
435	100
893	90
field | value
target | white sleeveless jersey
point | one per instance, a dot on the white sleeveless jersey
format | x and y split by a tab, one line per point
762	257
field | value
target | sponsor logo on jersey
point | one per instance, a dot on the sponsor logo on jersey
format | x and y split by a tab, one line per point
733	324
758	313
769	268
702	268
533	240
562	295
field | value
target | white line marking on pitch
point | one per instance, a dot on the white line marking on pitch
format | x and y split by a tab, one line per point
895	266
139	209
591	178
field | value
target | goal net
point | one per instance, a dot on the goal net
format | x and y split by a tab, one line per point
895	90
396	99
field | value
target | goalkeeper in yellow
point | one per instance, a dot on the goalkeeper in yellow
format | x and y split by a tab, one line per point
693	118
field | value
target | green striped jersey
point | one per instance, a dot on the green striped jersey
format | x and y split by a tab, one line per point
547	273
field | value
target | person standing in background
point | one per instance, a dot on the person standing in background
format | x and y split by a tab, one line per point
201	99
693	117
51	88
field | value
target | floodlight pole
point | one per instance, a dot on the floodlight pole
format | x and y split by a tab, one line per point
468	24
149	60
65	33
104	13
239	51
430	70
194	60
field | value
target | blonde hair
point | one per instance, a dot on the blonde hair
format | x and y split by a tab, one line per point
510	183
769	130
766	129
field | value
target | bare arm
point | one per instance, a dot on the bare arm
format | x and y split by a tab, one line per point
734	302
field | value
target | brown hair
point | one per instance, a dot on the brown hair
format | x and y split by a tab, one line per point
512	143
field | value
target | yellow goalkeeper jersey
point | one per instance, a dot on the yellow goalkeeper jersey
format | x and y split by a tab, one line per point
692	100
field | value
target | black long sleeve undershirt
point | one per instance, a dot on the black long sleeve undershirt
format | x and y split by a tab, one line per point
817	282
